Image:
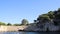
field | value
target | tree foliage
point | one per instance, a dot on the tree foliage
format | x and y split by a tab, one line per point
24	22
9	24
57	17
16	24
43	17
2	23
51	15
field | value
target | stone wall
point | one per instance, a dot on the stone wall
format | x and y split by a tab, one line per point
12	28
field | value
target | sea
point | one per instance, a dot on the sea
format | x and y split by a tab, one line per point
29	32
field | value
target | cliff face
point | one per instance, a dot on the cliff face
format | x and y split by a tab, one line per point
44	27
57	17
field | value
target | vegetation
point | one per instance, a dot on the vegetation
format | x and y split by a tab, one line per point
2	23
51	15
16	24
9	24
24	22
47	16
57	17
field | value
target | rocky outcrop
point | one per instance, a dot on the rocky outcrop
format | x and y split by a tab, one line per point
44	27
57	17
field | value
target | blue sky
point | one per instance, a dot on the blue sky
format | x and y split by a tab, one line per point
13	11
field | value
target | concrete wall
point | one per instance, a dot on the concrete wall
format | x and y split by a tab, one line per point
3	28
12	28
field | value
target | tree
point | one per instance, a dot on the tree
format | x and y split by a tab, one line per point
51	14
16	24
1	23
57	17
58	9
43	17
35	21
25	22
9	24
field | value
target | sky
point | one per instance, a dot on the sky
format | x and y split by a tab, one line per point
13	11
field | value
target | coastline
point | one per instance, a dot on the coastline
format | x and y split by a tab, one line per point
20	28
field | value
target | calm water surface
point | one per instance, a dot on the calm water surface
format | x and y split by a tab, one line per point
29	32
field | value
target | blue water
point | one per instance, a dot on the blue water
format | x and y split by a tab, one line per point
29	32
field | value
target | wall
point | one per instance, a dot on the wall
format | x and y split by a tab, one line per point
12	28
